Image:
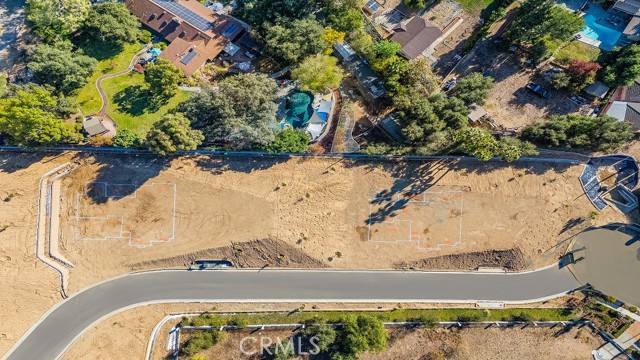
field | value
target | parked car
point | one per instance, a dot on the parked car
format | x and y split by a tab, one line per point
538	90
450	84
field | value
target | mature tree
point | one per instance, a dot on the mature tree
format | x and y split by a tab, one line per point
625	69
476	142
325	336
603	133
544	18
385	49
582	74
289	141
362	333
4	83
474	88
163	79
451	110
416	4
241	112
332	37
173	133
420	78
127	139
417	117
111	24
61	68
510	149
55	19
318	73
259	13
282	351
343	15
31	116
295	40
560	80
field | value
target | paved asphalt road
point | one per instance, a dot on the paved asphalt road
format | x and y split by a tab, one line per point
58	330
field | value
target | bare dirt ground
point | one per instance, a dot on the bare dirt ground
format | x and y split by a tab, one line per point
296	213
490	344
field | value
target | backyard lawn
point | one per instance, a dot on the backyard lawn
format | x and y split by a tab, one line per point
474	6
577	50
130	102
88	97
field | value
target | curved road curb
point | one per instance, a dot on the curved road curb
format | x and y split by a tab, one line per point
64	323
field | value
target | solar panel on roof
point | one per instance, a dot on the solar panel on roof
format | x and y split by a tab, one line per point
188	57
184	13
373	5
230	30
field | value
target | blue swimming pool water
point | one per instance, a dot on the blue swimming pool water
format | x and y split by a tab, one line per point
598	28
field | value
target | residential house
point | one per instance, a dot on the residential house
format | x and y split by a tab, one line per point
417	36
196	33
630	7
371	85
624	104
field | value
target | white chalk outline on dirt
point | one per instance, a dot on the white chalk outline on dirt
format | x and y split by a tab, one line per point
123	233
398	197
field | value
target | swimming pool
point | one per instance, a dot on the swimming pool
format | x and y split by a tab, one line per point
600	25
600	28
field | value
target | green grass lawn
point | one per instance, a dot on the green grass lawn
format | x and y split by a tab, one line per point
129	102
474	6
577	50
88	97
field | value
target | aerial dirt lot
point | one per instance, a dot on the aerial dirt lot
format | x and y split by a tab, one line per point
290	213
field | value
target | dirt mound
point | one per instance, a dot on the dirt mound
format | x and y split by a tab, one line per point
511	259
252	254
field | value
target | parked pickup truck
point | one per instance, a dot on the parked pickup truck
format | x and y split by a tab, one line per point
538	90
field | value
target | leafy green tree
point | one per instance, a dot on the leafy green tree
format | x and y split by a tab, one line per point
111	24
417	117
127	139
476	142
451	110
474	88
602	133
282	351
325	336
318	73
420	77
173	133
625	69
289	141
4	83
53	20
259	13
58	66
385	49
241	112
510	149
295	40
31	116
163	79
560	80
362	333
416	4
544	18
343	15
200	341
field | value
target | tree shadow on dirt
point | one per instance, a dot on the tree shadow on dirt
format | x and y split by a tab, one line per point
13	161
127	171
411	178
219	164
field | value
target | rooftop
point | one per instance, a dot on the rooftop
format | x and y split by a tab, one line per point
416	35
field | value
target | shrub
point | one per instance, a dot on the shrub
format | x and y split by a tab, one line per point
427	321
201	341
522	316
633	309
239	320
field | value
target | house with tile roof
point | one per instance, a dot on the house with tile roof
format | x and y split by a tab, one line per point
196	33
417	36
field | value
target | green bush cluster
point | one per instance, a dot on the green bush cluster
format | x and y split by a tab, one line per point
201	341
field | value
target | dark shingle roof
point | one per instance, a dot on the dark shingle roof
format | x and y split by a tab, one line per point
416	35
